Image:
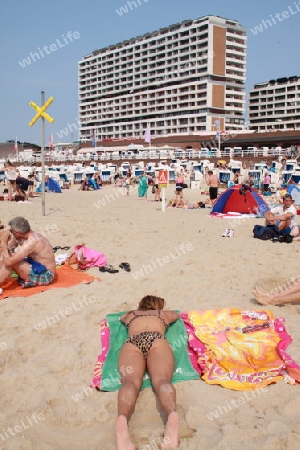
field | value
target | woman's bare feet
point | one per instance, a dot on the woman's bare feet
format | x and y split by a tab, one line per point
122	435
171	434
263	299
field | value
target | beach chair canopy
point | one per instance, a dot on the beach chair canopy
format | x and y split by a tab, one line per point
294	190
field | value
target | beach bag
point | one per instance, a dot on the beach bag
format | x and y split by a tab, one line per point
265	233
153	189
287	238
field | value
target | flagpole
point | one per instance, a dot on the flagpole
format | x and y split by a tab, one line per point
219	137
16	149
43	155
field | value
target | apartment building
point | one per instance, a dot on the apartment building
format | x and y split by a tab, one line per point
185	78
275	105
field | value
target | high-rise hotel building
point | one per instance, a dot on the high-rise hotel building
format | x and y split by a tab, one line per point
185	78
275	104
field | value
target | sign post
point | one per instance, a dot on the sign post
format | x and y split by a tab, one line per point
43	115
162	184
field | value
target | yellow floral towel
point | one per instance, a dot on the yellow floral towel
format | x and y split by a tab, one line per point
240	348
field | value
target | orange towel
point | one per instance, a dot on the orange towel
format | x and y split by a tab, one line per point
65	276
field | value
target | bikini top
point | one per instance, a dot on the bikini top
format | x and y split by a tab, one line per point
136	316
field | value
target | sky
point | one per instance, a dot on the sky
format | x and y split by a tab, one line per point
71	29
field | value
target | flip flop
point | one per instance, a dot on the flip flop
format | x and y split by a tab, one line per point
108	268
125	266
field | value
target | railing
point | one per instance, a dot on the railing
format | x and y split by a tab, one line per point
192	154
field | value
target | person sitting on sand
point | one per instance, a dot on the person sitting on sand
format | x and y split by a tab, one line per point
289	295
147	349
177	201
23	186
26	252
284	217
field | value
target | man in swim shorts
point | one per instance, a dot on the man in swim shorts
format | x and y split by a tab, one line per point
26	252
212	182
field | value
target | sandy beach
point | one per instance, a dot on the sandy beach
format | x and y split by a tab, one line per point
46	371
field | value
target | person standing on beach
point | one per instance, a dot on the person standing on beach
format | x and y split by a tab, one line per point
143	186
157	189
212	182
26	252
11	175
147	349
266	182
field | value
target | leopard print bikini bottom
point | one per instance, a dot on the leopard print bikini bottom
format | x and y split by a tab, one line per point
144	341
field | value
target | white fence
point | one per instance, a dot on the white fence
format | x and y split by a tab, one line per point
161	155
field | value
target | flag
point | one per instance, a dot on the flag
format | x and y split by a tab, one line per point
16	145
51	141
93	138
216	123
147	135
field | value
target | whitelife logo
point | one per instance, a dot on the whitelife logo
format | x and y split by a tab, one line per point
47	50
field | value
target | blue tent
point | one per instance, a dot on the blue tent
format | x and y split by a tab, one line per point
50	186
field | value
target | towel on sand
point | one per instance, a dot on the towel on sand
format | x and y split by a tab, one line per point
65	276
113	336
87	257
240	350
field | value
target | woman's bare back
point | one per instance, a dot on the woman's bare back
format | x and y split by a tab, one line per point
151	320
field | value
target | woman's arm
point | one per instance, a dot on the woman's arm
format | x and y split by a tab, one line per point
172	316
123	317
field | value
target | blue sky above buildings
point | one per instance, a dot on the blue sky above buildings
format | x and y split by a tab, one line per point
62	32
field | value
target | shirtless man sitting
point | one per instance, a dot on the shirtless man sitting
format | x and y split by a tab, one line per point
26	252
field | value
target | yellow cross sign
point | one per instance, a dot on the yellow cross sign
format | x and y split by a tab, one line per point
41	111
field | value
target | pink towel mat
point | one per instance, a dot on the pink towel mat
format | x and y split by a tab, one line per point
88	257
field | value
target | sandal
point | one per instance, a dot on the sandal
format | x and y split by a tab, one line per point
60	248
125	266
108	268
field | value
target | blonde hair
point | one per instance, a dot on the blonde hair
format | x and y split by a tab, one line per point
151	302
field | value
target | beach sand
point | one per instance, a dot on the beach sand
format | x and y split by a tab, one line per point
46	402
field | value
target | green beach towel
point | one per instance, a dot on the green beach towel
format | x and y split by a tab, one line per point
177	337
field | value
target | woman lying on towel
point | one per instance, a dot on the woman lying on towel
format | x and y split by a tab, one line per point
147	349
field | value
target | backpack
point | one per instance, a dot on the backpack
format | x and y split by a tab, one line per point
265	233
